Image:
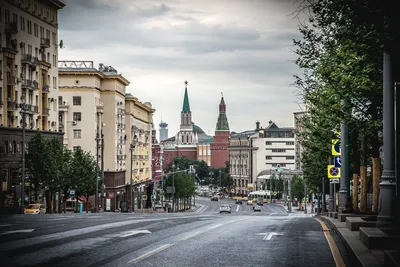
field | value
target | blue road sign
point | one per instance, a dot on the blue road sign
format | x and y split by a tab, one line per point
337	162
337	148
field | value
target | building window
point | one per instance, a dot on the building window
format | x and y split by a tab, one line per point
268	143
268	157
290	143
75	148
77	116
77	133
76	100
290	157
278	150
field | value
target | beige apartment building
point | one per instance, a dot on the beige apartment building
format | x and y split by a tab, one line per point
28	75
138	120
92	105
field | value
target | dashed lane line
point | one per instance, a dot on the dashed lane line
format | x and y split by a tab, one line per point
150	253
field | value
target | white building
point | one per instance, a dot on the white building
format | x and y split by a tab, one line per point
276	147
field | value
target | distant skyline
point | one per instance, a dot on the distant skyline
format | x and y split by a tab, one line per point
242	49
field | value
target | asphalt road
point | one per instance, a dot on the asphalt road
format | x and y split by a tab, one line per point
201	238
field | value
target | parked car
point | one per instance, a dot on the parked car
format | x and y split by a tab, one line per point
35	209
214	198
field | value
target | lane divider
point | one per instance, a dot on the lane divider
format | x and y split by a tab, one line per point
334	249
150	253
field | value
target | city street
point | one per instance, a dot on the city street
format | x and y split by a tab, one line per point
205	237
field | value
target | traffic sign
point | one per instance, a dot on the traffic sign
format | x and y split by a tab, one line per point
72	192
333	172
337	161
334	181
336	150
144	197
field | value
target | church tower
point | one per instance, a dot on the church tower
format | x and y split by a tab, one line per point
219	148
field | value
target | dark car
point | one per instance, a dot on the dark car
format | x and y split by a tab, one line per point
238	202
214	199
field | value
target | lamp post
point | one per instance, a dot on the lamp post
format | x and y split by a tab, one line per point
23	113
103	204
131	149
96	198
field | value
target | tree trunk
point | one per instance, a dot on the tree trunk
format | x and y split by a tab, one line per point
376	177
363	176
355	191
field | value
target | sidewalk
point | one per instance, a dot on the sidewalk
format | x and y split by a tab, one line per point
295	209
351	239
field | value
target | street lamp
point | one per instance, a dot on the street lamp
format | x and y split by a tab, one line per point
96	198
23	113
131	149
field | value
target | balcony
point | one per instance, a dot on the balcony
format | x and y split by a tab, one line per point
12	105
35	85
29	108
46	89
11	80
45	43
45	111
26	59
121	157
12	27
26	84
63	106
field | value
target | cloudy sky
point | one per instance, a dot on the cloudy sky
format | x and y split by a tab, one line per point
240	48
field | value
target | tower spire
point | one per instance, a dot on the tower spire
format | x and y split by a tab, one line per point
222	123
186	105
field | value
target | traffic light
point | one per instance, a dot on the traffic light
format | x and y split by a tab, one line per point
278	168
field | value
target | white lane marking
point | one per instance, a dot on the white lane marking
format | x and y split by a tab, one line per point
17	231
237	208
268	236
56	219
150	253
215	226
190	236
5	225
135	232
272	214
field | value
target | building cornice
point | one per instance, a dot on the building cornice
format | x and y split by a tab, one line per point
100	74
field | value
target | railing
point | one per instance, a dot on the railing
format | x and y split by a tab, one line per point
12	27
11	80
26	83
35	85
12	105
45	111
46	89
45	42
26	59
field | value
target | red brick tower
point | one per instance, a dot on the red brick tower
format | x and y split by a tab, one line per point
219	148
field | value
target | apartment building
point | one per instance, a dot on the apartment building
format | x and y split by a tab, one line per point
91	106
138	120
28	78
276	147
241	150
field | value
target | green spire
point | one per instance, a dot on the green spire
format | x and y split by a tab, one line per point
222	123
186	106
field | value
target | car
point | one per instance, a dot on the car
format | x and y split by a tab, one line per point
238	202
257	208
35	209
250	202
225	208
214	199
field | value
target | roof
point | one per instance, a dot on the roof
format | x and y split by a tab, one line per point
186	106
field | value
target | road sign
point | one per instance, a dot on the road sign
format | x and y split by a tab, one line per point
333	172
72	192
192	169
170	189
337	161
334	181
144	197
336	150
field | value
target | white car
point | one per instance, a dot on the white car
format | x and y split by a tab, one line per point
225	208
257	208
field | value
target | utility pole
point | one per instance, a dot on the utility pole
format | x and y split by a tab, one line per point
23	113
305	197
96	197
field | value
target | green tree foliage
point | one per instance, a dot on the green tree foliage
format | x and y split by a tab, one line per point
340	56
297	188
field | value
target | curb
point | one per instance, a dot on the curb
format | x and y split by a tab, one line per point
362	255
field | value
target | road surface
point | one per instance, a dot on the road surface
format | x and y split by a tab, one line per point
202	238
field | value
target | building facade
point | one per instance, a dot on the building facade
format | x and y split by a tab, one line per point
92	105
204	150
276	147
298	125
240	161
28	79
219	147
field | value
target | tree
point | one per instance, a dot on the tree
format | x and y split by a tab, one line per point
297	188
84	174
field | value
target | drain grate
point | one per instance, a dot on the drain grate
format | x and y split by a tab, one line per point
329	230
